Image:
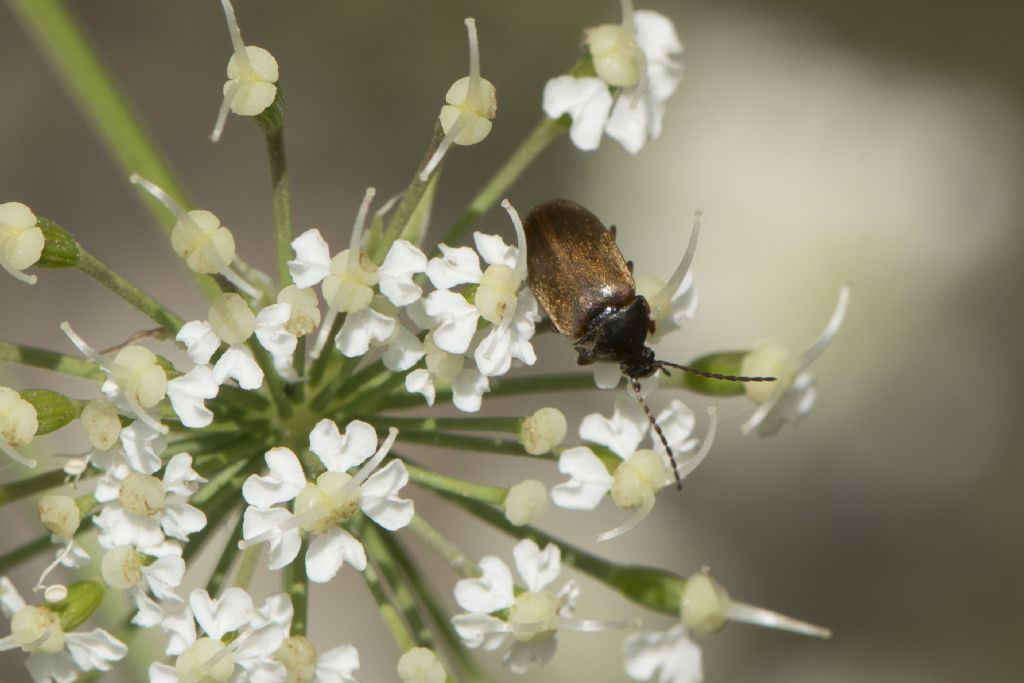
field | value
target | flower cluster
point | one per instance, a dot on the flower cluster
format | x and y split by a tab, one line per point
276	421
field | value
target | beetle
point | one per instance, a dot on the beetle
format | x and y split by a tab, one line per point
586	287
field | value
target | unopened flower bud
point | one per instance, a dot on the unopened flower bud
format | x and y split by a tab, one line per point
704	606
299	658
60	249
142	495
21	240
37	629
53	409
643	475
526	502
18	420
252	77
305	315
101	423
59	514
231	318
543	430
206	245
420	665
137	371
82	600
121	567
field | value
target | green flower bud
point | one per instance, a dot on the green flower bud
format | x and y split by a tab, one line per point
60	249
53	410
82	600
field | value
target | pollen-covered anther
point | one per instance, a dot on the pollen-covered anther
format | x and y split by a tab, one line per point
142	495
639	477
231	318
526	502
121	567
327	502
205	661
535	613
37	629
21	240
471	106
59	515
298	655
543	430
305	313
252	76
101	423
135	369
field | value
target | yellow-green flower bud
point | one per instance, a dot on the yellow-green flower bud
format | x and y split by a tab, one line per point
705	603
59	514
543	430
526	502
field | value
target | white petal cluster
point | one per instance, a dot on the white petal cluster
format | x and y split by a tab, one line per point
636	74
53	654
321	506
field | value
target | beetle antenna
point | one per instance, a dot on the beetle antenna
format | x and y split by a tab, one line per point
713	375
657	428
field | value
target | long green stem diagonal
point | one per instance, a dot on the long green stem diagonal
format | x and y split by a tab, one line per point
93	88
49	360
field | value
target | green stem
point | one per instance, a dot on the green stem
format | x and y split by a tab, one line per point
296	583
410	200
50	360
468	666
97	270
492	495
470	443
16	490
247	567
443	548
270	376
508	425
388	612
273	129
536	141
401	595
316	373
93	88
227	558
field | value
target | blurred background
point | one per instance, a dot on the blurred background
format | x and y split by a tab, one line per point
879	143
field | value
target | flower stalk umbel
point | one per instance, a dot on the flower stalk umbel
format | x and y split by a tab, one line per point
299	451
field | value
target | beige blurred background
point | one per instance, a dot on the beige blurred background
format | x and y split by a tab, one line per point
875	142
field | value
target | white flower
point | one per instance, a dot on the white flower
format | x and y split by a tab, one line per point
298	655
790	397
231	323
642	472
21	240
471	104
636	75
254	633
141	510
671	654
54	656
252	75
321	506
498	299
533	616
468	384
188	393
123	568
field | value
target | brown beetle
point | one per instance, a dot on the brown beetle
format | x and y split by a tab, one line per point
578	275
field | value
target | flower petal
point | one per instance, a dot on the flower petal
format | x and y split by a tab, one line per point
422	382
671	652
328	552
456	266
525	654
589	483
230	612
282	483
402	262
490	592
337	665
284	545
94	649
271	334
380	499
404	351
238	363
622	432
363	328
341	453
493	250
457	320
538	568
586	100
468	389
187	394
199	339
312	259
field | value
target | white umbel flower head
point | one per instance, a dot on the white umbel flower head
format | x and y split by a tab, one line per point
471	106
21	240
53	654
636	75
530	619
791	396
321	507
18	425
252	77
